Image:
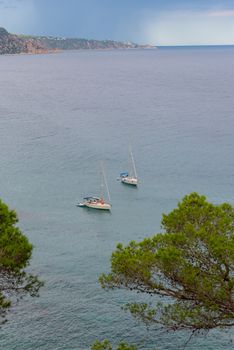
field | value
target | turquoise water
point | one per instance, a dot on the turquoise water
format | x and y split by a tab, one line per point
60	115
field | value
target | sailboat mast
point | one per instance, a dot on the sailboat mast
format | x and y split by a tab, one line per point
133	162
102	185
106	184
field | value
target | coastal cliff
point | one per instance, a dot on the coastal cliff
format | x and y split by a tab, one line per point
12	44
15	44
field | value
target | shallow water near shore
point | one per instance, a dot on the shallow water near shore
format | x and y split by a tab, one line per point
60	116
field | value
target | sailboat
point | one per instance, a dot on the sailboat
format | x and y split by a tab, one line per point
130	178
98	202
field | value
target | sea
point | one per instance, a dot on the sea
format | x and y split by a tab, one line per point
61	116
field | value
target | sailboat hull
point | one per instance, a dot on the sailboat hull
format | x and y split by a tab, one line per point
101	206
129	180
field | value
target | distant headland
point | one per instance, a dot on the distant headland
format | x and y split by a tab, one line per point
16	44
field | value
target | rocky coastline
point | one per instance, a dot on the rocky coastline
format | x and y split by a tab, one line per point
17	44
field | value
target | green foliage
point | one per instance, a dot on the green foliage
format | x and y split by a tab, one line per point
15	253
191	265
106	345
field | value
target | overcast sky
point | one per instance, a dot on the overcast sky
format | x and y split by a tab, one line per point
158	22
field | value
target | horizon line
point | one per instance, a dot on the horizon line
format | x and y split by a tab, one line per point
195	45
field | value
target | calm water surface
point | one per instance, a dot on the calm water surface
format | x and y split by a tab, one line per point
60	115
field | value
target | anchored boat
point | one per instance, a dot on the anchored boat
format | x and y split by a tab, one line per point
98	202
130	178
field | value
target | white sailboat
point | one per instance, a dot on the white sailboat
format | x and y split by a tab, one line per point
98	202
130	178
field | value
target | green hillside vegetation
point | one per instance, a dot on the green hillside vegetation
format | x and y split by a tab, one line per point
15	254
188	269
